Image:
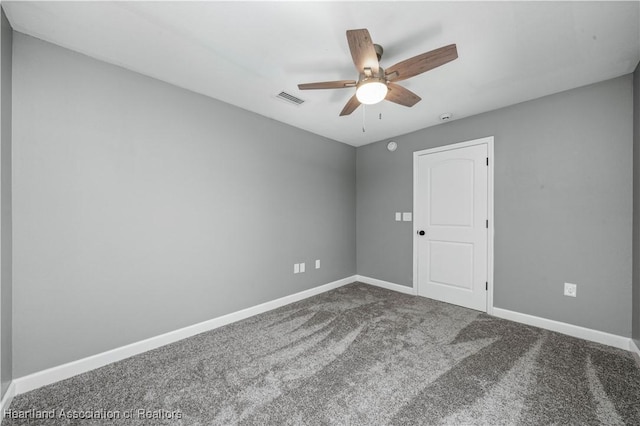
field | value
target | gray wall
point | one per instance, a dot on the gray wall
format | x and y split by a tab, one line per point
6	40
140	208
563	204
636	205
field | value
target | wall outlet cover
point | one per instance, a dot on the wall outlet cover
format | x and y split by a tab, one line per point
570	290
406	216
302	267
296	268
318	264
398	216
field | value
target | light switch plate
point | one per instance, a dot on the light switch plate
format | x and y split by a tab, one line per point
398	216
406	216
301	267
296	268
318	264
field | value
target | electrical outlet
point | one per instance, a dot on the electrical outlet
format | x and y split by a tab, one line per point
318	264
570	289
406	216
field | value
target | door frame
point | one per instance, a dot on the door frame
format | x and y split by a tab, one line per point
490	232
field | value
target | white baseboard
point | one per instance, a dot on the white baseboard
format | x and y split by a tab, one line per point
65	371
636	351
386	284
7	398
564	328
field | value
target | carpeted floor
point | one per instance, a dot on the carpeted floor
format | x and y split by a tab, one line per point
357	355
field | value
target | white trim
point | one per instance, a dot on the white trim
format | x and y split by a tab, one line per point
489	141
490	231
414	278
564	328
386	284
7	398
634	348
65	371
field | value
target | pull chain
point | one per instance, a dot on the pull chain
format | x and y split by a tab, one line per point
364	108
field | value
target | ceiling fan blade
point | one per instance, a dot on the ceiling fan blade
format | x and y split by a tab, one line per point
362	50
339	84
402	96
421	63
351	106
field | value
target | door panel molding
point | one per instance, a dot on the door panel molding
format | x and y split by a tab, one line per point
489	142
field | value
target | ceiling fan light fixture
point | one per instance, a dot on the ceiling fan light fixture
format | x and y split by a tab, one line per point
371	92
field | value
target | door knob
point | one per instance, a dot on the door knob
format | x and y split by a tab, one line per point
420	232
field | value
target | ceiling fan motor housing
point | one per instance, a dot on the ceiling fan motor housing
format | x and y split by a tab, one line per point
379	51
369	75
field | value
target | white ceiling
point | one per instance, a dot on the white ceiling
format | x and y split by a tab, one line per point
245	53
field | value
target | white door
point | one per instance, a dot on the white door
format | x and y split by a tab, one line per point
451	223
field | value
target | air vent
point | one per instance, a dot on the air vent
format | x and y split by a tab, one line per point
290	98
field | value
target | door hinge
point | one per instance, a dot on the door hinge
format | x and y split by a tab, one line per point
487	161
487	223
487	286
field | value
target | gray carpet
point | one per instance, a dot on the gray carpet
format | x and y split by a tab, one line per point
358	355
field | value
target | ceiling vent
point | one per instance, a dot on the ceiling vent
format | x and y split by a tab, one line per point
290	98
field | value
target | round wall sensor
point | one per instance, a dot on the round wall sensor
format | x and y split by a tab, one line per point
392	146
446	116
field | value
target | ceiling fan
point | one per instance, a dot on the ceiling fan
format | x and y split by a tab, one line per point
376	84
